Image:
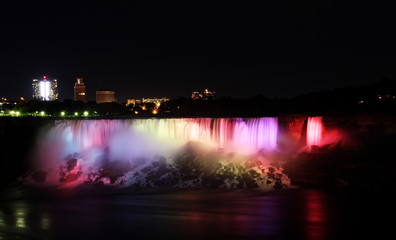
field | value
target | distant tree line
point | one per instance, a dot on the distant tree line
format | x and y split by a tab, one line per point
378	97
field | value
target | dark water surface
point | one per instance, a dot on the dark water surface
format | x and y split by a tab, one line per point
194	214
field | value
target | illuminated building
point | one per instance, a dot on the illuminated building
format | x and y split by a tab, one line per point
131	102
79	90
45	89
154	100
203	95
104	96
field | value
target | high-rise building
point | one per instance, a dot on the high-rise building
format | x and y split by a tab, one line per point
79	90
104	96
45	89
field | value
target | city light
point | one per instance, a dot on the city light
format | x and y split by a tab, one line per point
136	112
63	113
76	114
86	113
42	113
155	111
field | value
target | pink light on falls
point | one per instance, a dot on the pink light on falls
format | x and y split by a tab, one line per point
314	131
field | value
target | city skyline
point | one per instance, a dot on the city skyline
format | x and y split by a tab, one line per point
278	50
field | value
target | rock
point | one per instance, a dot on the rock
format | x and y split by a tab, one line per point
101	183
117	168
39	176
113	179
253	173
71	164
315	148
146	170
155	164
278	175
72	177
274	164
271	175
278	185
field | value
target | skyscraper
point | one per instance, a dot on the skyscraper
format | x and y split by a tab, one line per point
79	90
45	89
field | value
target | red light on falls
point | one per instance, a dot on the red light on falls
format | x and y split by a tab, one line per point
45	77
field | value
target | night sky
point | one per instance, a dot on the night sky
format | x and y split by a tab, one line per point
167	49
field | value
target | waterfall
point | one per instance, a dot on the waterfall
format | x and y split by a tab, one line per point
231	134
314	131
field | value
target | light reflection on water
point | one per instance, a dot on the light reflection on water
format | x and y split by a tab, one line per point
296	214
315	215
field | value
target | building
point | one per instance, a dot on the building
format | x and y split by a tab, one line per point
157	101
104	96
79	90
203	95
133	102
45	89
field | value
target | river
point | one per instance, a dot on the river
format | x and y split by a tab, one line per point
28	213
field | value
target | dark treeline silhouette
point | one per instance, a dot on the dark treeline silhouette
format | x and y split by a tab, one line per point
378	97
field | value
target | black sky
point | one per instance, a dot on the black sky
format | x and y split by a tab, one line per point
165	48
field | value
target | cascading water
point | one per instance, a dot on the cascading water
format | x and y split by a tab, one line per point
150	151
314	131
232	134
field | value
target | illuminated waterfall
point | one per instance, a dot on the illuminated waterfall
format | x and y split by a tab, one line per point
234	134
231	134
177	152
314	131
